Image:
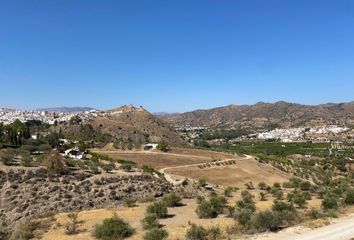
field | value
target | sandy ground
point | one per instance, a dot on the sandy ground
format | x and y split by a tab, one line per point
176	225
244	171
175	157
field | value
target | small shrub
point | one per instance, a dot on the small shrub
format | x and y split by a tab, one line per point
246	202
349	197
262	185
314	214
24	231
228	191
156	234
263	196
157	208
150	221
202	182
162	146
329	202
266	221
196	232
206	210
305	186
72	227
244	216
112	229
172	200
129	202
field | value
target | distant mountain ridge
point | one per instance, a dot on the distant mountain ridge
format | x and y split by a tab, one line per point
66	109
263	115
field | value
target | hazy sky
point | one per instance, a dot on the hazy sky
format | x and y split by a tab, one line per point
175	55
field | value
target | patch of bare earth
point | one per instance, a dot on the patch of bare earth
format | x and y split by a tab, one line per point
244	171
175	157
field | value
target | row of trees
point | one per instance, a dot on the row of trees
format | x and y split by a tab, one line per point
14	133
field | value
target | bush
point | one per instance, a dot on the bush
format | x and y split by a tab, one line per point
72	227
26	159
228	191
172	200
24	231
162	146
349	197
263	196
266	221
246	202
262	185
112	229
329	202
219	203
157	208
54	162
202	182
7	157
156	234
244	216
212	207
314	214
206	210
305	186
150	221
108	167
126	167
196	232
287	212
129	202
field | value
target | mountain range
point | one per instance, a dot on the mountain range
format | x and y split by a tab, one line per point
266	115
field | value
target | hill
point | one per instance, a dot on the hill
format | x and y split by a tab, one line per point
132	124
267	115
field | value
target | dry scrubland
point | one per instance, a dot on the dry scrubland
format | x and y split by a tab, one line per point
242	172
176	225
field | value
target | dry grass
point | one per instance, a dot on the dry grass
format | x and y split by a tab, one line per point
237	175
175	157
176	225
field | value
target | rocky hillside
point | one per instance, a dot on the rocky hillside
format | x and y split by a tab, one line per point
29	193
129	123
263	115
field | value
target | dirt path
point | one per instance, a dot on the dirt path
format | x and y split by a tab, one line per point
340	229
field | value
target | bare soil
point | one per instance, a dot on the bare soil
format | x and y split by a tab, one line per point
244	171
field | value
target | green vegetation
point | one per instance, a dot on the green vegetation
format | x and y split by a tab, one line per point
24	231
156	234
129	202
162	146
150	170
196	232
172	200
150	221
113	228
54	163
212	207
266	221
72	227
157	208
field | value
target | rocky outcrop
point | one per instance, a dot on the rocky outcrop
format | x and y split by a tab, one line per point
31	193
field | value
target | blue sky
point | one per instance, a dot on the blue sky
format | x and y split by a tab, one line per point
175	56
